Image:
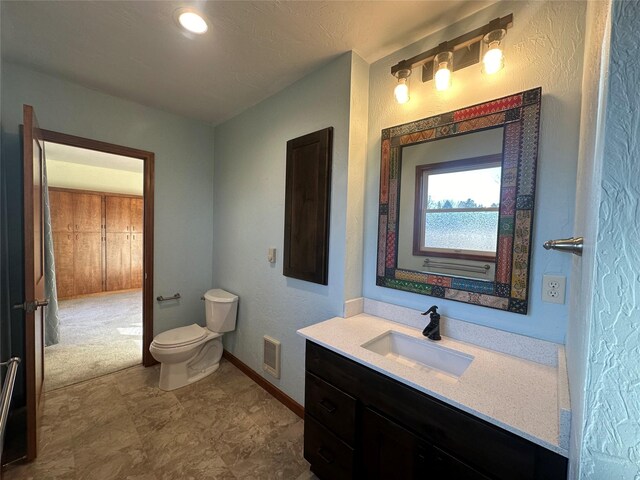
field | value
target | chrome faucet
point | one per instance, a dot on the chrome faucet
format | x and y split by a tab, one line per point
432	331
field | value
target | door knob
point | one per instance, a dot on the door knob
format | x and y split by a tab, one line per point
31	306
571	245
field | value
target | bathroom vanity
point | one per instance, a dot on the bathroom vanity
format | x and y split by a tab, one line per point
372	412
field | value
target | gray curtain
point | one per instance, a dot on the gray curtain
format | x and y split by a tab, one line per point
5	307
52	322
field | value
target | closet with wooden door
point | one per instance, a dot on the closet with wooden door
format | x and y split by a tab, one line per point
98	241
124	234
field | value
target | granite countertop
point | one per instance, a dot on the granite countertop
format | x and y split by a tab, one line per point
518	395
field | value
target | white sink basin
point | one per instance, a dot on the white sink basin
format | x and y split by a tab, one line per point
419	353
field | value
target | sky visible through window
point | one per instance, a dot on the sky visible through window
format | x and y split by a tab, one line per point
480	185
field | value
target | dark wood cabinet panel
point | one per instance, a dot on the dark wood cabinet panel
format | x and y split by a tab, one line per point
118	214
87	263
137	215
331	458
391	451
307	198
61	207
63	255
118	254
137	242
87	212
457	444
444	465
334	408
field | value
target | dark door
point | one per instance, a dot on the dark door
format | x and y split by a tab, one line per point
34	302
390	451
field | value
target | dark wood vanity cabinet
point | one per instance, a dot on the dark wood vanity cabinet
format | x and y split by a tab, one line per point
360	424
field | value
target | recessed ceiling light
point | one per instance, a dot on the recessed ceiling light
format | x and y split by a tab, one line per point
192	21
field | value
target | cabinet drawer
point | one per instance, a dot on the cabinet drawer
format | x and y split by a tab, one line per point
331	407
330	457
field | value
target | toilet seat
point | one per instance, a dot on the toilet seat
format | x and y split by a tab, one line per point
180	337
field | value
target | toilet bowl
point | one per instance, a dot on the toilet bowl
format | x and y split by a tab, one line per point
188	354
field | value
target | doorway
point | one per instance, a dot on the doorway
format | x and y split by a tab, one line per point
101	202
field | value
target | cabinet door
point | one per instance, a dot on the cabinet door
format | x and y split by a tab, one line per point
87	263
118	246
118	214
136	260
390	451
63	254
87	212
61	206
137	215
444	465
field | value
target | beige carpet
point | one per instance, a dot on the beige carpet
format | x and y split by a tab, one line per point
98	335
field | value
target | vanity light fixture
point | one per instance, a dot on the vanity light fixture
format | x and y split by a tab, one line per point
482	44
401	92
191	21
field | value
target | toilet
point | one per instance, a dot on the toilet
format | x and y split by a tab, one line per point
188	354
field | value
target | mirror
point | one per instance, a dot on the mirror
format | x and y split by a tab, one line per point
456	203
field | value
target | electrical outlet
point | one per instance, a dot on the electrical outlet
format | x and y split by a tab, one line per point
553	288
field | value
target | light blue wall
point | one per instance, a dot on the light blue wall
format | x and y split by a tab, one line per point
611	440
538	53
589	183
249	188
183	178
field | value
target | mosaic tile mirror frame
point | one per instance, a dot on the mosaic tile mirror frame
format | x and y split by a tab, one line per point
519	115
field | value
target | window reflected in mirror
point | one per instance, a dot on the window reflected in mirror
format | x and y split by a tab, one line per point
449	221
459	203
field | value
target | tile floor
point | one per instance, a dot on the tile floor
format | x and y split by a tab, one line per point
121	426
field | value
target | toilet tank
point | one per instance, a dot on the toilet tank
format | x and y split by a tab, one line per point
221	309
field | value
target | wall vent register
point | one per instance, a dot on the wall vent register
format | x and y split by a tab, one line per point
271	356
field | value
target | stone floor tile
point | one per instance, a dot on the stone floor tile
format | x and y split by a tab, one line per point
121	426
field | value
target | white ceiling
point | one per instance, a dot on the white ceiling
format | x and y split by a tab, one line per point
253	49
83	156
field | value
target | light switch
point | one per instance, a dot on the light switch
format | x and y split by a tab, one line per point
271	255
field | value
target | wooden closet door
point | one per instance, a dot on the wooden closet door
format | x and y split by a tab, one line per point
87	212
118	261
61	206
87	268
137	215
63	255
136	260
118	214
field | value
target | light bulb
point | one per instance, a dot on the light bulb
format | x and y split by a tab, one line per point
443	78
193	22
493	60
442	65
401	91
